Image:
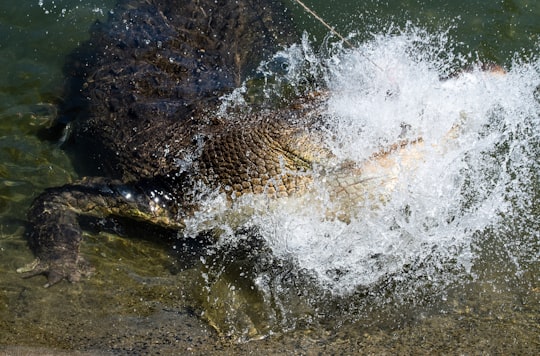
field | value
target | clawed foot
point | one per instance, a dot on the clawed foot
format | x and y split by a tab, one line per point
57	270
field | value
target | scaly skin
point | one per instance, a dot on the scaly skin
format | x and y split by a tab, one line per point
56	233
142	97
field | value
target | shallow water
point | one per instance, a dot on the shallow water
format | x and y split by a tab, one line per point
449	264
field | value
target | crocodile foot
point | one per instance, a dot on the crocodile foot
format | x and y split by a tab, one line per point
57	270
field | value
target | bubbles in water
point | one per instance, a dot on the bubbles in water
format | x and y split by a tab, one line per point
51	7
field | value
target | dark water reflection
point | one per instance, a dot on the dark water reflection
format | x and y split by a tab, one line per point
140	301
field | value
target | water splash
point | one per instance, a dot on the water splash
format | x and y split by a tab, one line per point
433	226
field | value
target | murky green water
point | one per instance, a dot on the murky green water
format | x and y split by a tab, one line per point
141	301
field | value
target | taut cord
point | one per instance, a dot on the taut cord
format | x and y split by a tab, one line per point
324	23
312	13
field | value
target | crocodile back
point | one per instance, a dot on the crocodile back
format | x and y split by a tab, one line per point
143	83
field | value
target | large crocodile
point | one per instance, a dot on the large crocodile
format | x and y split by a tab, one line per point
141	105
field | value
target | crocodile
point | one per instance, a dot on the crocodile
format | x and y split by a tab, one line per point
141	108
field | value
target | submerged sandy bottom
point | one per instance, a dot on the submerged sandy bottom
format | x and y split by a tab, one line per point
135	305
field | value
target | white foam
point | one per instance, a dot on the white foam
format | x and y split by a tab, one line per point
454	192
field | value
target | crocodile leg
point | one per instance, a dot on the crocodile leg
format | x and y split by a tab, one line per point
56	235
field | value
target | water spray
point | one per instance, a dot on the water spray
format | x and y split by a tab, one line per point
333	30
391	92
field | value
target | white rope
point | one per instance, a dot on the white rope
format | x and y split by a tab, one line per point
334	31
324	23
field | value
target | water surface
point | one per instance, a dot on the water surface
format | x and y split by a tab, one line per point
450	264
